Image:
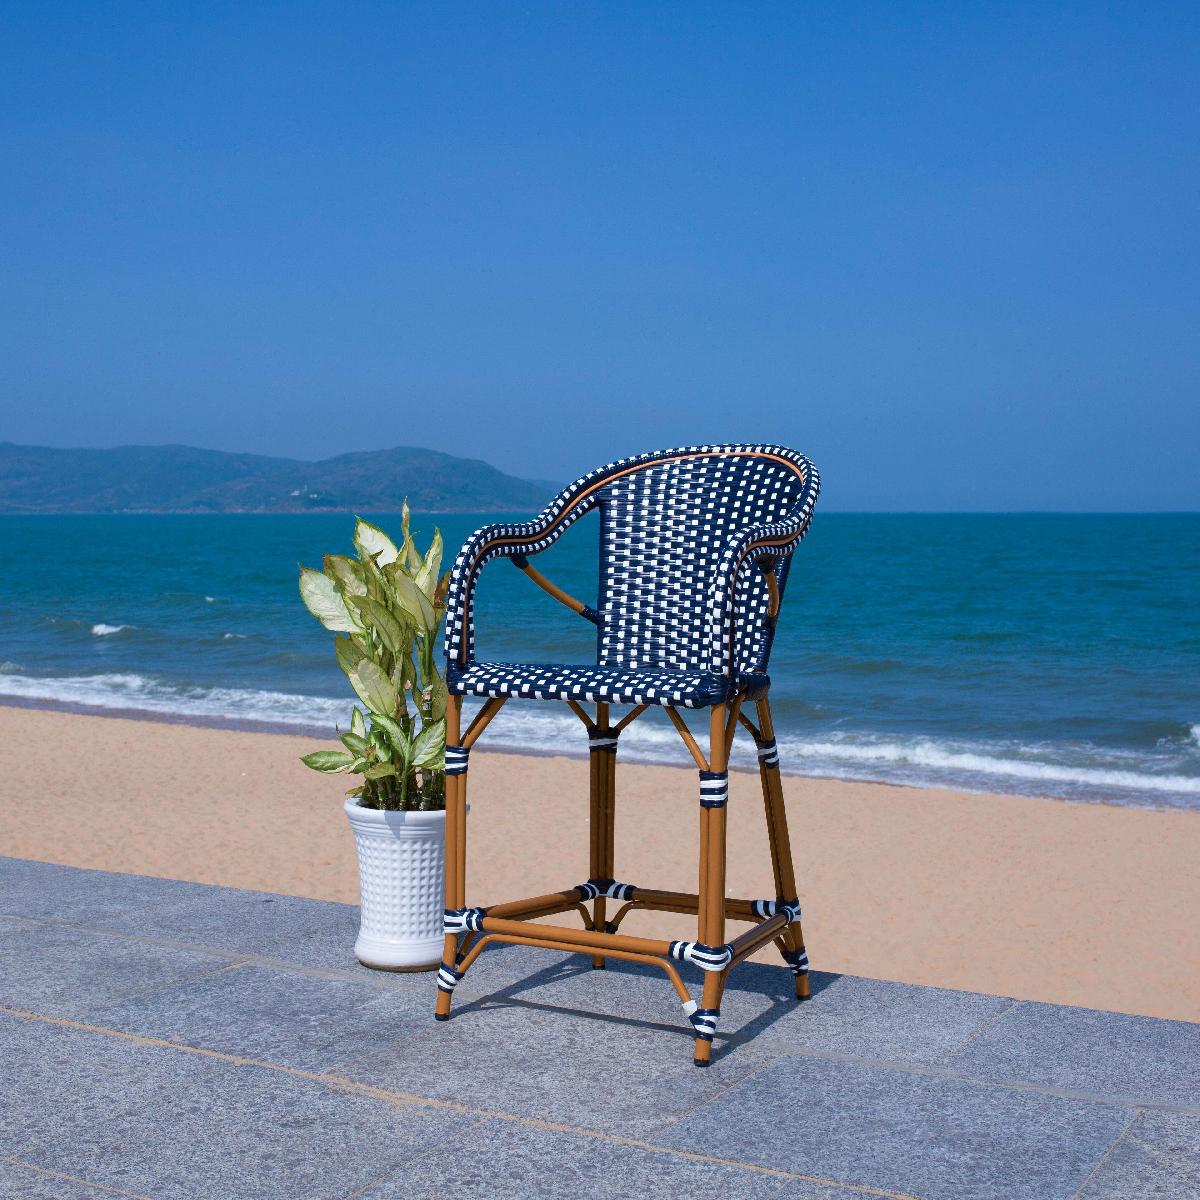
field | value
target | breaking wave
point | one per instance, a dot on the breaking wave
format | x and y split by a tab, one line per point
1079	771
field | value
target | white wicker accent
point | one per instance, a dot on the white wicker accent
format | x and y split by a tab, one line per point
401	869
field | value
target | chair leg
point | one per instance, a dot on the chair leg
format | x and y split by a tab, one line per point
456	855
711	906
603	818
781	847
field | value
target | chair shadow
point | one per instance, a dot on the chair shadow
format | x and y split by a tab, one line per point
775	984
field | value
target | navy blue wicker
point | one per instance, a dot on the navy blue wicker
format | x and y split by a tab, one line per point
695	552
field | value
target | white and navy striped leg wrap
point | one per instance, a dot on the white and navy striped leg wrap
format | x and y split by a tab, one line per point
456	760
605	887
704	1021
768	908
797	960
714	789
463	920
707	958
448	978
604	740
768	753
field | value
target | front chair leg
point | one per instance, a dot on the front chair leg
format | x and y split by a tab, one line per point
714	794
602	757
456	853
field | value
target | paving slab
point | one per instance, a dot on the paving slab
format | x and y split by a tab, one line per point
25	1183
315	933
904	1131
507	1161
36	889
613	1075
295	1020
62	971
1140	1059
232	1132
1157	1159
58	1080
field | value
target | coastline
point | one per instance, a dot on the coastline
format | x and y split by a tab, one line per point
639	757
1075	903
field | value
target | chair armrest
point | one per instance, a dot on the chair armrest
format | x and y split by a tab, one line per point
759	543
515	541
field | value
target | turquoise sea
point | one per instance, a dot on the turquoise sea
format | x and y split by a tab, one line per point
1040	654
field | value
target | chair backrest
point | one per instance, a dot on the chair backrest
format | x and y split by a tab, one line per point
665	523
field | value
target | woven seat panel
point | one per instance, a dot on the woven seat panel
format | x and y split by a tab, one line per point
663	532
609	685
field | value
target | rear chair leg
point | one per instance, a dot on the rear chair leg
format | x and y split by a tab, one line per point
781	848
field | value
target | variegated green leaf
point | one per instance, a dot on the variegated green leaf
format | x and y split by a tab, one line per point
390	630
324	601
429	747
396	734
413	601
426	577
373	543
329	761
355	743
373	687
346	574
349	653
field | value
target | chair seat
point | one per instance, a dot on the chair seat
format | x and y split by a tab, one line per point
609	685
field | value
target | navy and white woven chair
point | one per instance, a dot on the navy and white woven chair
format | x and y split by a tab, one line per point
695	547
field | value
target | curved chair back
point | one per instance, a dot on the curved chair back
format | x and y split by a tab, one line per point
665	527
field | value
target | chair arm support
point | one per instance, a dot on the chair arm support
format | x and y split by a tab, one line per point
513	541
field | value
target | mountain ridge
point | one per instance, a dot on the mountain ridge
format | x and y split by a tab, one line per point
187	479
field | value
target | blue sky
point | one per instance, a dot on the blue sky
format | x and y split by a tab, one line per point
949	251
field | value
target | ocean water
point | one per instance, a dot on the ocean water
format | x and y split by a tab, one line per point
1039	654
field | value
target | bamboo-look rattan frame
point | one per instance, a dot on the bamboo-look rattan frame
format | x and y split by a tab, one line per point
512	922
518	922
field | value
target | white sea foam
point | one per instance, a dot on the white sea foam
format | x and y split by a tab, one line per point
538	729
102	630
139	693
1196	734
929	755
229	637
210	599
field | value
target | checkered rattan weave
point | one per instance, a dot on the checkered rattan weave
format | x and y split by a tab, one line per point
610	685
682	603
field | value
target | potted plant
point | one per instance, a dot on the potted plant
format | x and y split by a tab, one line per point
385	607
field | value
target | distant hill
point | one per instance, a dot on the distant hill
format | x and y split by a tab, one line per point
148	479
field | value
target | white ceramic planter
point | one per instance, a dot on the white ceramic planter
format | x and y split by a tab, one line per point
401	871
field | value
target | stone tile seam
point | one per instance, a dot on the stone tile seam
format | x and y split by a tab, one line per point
986	1026
108	1189
1106	1155
179	981
404	1099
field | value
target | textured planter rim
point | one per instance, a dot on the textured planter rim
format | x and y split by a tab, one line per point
396	819
374	949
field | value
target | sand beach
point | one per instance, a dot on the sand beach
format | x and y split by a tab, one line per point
1071	903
